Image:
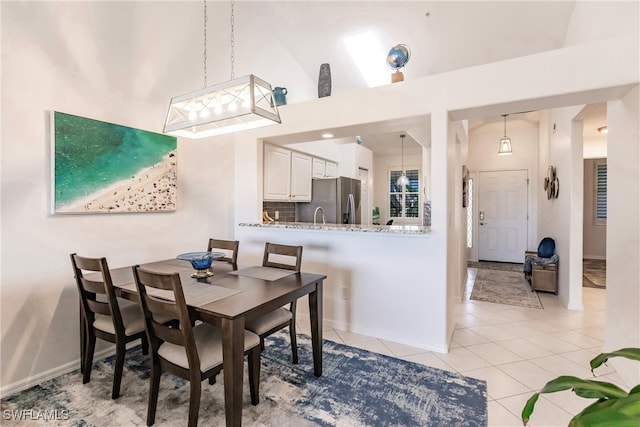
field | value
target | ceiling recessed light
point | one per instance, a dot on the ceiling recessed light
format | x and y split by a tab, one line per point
602	129
327	135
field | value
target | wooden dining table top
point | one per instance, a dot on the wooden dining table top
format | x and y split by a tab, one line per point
254	296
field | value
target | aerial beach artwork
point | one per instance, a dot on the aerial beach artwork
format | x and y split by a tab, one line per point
100	167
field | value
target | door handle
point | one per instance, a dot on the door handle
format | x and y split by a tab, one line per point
482	223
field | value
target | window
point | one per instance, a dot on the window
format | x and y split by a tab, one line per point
404	201
600	187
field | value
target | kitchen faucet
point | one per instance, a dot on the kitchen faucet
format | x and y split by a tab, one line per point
319	208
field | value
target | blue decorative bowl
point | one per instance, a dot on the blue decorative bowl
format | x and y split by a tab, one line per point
201	262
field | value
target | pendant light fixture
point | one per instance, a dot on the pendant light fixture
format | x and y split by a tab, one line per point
402	179
236	105
504	149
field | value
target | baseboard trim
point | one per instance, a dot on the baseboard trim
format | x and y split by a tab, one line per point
343	326
18	386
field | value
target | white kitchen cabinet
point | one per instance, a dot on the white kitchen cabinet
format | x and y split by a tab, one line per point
318	167
331	169
301	166
324	168
287	175
277	173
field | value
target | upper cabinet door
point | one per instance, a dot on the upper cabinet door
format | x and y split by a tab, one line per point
331	170
318	168
277	173
301	172
324	168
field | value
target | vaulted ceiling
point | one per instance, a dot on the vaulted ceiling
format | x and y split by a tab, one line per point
442	36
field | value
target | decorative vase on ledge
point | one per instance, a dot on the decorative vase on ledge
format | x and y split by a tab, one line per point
324	81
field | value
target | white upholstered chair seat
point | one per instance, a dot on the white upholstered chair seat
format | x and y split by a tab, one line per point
209	344
131	317
269	321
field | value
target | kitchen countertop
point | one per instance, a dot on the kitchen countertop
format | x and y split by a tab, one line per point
357	228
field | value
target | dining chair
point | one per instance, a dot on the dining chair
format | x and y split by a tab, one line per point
105	316
289	258
193	353
230	248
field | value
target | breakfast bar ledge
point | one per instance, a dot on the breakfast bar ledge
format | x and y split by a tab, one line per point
388	282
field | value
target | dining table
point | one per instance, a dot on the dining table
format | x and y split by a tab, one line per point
229	299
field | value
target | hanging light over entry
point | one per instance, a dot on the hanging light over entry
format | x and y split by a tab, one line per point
504	149
239	104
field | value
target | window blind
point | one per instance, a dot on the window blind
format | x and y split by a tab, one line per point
601	191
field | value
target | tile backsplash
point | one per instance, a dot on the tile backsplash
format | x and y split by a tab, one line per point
286	210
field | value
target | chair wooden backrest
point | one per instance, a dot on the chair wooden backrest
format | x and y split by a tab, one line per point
155	308
282	251
99	283
231	246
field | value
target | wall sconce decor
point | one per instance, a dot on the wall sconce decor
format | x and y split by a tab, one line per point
465	186
551	183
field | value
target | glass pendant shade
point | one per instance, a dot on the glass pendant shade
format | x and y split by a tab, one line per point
236	105
505	147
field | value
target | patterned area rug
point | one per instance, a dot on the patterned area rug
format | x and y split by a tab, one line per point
493	265
357	388
504	287
594	272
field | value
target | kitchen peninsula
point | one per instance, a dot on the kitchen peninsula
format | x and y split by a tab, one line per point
379	278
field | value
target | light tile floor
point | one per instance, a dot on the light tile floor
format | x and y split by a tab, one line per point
516	350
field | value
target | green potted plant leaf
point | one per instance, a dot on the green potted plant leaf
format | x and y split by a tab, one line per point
613	407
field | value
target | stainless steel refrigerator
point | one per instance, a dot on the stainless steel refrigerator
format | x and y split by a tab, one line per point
338	197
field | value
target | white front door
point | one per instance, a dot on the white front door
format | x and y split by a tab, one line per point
502	215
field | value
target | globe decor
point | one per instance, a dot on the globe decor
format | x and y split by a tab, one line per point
397	58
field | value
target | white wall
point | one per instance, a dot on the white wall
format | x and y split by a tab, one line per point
594	149
376	283
623	231
561	218
459	238
328	150
599	20
353	157
87	59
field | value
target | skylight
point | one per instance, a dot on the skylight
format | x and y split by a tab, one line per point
369	56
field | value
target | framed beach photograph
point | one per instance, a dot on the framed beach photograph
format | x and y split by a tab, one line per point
100	167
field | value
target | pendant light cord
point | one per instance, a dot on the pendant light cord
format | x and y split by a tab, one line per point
204	55
205	44
402	138
233	40
505	124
